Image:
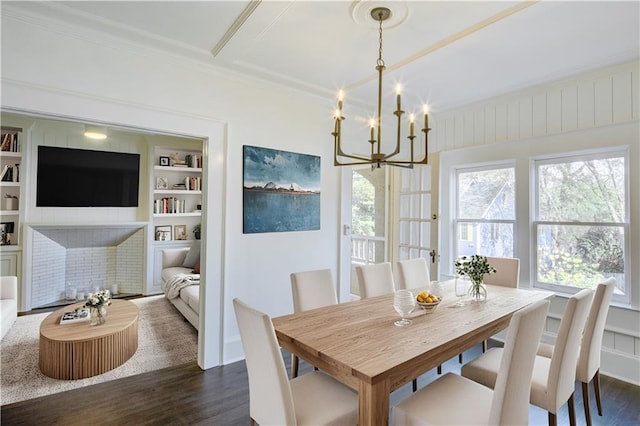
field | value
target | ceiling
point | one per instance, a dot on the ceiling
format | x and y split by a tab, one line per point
446	53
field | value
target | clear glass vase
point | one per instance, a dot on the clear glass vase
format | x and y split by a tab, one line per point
477	291
98	315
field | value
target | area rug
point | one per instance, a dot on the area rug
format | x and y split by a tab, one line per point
164	340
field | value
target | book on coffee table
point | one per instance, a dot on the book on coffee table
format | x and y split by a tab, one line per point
77	315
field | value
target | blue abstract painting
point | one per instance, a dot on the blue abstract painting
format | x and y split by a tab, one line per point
281	191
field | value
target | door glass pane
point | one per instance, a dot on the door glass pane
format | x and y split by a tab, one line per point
404	232
426	206
415	185
415	233
415	205
425	234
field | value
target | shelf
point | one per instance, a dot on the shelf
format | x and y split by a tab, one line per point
192	214
176	191
7	154
177	169
10	212
10	184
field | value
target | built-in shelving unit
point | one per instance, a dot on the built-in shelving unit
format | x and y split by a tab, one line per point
11	141
177	193
10	184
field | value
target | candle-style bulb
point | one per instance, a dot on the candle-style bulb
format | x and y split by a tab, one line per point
412	118
425	108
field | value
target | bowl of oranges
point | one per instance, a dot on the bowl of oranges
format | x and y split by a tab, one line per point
428	301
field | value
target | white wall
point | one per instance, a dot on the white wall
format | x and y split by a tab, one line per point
592	111
47	69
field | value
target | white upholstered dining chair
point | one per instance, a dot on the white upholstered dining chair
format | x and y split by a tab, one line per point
310	290
507	271
507	275
375	279
311	399
413	273
453	399
553	380
588	368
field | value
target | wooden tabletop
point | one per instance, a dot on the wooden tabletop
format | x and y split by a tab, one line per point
359	345
120	314
79	350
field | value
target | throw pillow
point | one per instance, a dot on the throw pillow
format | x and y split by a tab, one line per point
192	256
196	269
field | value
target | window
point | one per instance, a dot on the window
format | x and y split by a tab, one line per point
581	226
485	211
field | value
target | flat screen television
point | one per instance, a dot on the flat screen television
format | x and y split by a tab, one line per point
70	177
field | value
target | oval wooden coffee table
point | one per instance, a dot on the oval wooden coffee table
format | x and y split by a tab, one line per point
79	350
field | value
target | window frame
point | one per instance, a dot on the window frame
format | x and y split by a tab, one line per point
536	162
456	221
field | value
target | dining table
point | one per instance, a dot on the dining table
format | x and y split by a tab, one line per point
358	344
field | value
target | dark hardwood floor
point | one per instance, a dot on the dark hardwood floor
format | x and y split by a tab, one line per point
186	395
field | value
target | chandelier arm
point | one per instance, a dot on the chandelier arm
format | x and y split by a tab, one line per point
403	164
336	162
337	151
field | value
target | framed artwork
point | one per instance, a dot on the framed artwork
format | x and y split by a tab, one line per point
281	191
164	161
179	232
162	183
163	233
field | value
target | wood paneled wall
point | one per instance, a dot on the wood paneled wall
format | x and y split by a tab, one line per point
595	99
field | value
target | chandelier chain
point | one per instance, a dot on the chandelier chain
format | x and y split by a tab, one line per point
380	60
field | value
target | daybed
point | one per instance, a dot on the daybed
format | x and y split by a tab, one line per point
8	303
181	280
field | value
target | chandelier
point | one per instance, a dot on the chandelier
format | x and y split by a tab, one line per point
378	158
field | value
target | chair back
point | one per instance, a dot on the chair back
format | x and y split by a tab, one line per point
510	404
562	370
507	272
413	273
589	359
270	397
375	279
312	289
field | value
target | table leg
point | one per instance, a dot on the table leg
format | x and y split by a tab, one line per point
373	403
